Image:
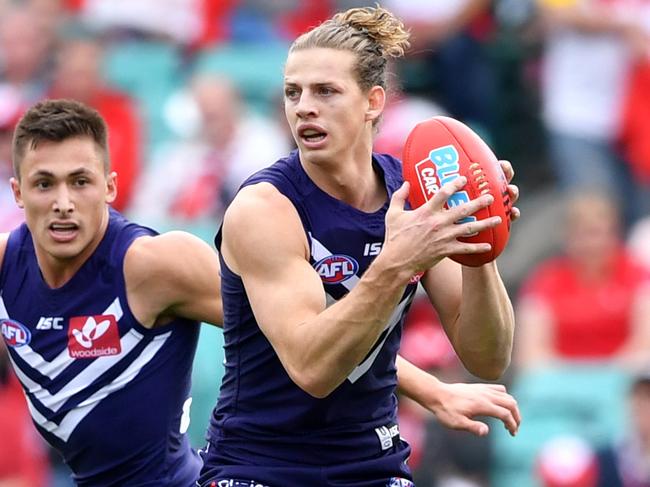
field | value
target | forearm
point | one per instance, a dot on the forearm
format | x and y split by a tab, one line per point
413	382
334	342
484	334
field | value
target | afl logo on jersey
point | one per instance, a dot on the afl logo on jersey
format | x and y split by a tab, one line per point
336	268
15	334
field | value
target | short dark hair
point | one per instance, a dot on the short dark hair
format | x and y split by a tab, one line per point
56	121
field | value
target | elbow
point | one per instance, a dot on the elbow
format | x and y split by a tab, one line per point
487	369
312	382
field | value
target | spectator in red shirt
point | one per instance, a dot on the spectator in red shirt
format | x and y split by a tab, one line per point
590	303
78	75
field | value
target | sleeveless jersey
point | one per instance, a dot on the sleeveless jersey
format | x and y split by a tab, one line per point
262	417
109	394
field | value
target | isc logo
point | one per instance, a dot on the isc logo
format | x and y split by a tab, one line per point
15	334
50	323
336	268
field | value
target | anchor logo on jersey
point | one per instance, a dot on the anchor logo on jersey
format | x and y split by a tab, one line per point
93	336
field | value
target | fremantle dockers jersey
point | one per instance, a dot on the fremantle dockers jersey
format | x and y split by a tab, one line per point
111	395
262	416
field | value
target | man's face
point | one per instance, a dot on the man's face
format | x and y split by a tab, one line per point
64	191
326	109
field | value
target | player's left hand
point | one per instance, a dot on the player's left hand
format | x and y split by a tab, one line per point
456	406
513	190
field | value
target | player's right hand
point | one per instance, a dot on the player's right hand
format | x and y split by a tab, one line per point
418	239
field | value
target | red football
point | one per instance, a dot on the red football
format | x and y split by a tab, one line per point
439	150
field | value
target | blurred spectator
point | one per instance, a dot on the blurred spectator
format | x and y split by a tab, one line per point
179	21
26	39
211	18
567	461
592	302
450	37
279	20
10	110
78	75
195	178
590	47
303	16
23	457
627	462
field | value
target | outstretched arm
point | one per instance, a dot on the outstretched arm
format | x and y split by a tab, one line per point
456	405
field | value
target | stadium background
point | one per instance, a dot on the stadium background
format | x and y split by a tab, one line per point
191	90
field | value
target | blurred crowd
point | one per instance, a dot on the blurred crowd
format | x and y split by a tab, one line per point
192	94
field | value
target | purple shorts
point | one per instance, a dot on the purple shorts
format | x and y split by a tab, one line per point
389	470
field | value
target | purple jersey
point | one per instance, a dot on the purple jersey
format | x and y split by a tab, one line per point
109	394
262	417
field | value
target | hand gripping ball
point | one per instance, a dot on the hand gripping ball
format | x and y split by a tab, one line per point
441	149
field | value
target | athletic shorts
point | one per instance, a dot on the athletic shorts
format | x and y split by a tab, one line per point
389	470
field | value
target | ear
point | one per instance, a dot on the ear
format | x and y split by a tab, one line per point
15	188
376	102
111	187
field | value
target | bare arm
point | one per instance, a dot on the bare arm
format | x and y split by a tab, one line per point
456	405
319	347
476	313
173	275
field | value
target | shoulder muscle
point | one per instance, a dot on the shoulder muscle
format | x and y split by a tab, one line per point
260	223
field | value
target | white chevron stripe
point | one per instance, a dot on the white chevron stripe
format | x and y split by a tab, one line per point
74	417
319	252
363	367
99	366
329	300
61	361
83	379
38	417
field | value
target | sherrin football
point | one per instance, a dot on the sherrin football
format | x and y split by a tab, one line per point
441	149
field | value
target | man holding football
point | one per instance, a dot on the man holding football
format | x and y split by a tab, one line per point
319	263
